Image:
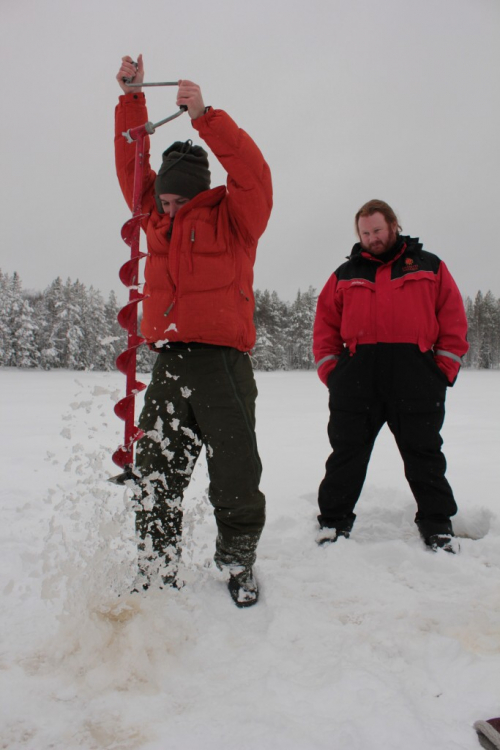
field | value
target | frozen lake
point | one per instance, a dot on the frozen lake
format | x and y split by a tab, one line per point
373	642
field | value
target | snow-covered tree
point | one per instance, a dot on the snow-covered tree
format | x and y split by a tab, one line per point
299	331
488	347
24	345
6	351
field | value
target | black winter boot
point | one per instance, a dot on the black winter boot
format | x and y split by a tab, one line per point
237	555
438	535
330	531
446	542
243	588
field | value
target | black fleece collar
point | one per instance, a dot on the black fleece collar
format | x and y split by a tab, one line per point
413	242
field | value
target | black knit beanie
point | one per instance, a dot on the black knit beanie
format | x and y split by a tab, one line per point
184	171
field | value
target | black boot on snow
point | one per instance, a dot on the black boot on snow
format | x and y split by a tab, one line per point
243	588
438	535
330	531
446	542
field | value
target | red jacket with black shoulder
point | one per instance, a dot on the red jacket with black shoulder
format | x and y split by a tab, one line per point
412	299
198	283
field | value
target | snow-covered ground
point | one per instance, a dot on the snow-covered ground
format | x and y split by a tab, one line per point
374	642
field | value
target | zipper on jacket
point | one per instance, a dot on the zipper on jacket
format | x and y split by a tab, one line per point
178	229
191	249
169	308
174	242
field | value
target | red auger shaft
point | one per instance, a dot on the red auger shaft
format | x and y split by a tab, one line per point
128	315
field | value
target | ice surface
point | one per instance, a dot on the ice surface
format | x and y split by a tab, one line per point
372	642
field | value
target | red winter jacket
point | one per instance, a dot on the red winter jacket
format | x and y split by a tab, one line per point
412	299
199	283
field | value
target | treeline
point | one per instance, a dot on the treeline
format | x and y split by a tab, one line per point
284	331
73	327
67	326
483	317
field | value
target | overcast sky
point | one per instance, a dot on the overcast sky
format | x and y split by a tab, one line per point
348	99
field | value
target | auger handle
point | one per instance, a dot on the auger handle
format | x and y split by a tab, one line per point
129	82
152	126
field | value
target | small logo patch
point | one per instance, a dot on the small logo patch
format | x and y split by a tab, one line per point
410	265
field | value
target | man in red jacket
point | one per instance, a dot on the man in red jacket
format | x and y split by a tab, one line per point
389	334
198	317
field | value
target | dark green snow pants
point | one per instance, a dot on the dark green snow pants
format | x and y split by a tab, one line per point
201	395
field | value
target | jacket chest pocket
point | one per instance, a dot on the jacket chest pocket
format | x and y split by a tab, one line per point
406	282
205	240
210	263
415	303
358	306
415	294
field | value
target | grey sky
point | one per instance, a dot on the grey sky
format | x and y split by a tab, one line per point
348	99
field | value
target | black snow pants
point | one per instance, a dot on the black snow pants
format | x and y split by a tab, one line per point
200	395
399	385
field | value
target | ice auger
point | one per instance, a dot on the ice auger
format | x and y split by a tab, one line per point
127	317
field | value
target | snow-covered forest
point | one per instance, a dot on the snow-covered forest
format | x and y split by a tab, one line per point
74	327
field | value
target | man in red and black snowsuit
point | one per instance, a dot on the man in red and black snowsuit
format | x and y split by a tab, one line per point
389	334
198	317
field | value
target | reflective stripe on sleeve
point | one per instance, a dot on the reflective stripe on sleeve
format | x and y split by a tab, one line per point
326	359
444	353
